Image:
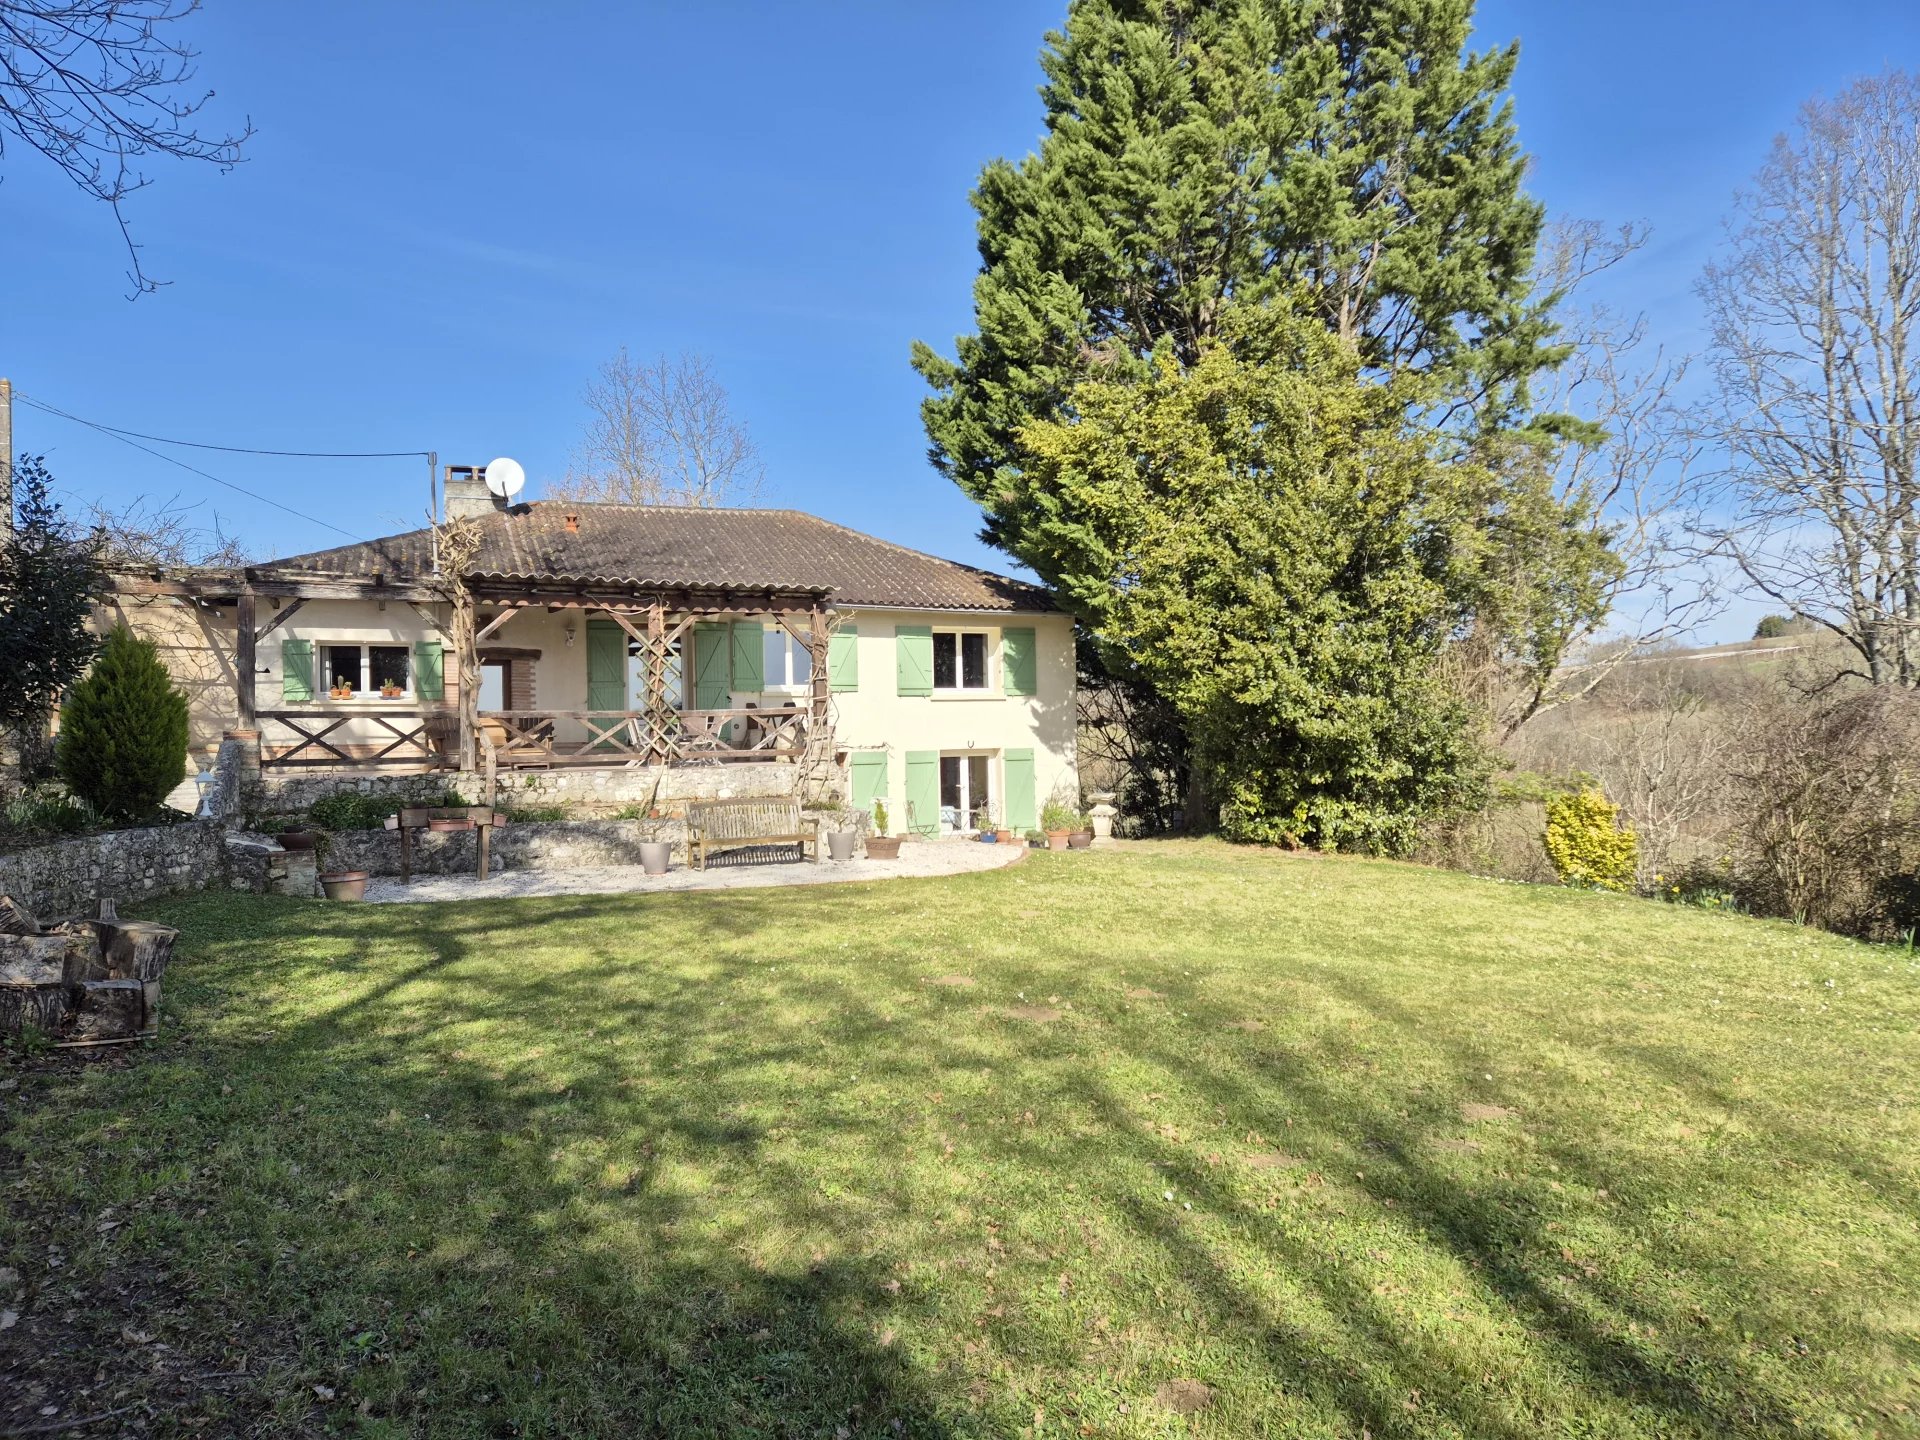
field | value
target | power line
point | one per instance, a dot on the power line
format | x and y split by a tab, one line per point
109	431
229	449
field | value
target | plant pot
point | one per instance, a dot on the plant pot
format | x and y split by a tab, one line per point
883	847
345	885
449	827
989	837
840	844
1057	839
297	839
655	856
1080	839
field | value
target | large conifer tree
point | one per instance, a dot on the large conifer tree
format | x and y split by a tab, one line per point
1208	155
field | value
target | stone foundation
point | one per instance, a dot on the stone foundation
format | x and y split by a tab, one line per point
586	789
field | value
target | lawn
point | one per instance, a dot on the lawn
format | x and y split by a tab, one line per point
1179	1140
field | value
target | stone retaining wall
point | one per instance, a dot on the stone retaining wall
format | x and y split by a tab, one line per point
559	845
587	788
70	877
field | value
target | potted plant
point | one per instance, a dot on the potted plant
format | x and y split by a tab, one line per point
1037	839
655	856
983	826
881	845
1081	836
341	689
1057	819
837	827
391	690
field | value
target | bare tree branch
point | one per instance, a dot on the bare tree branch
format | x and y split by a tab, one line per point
98	85
661	432
1815	310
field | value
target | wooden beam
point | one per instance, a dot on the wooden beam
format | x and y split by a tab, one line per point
286	614
494	624
243	661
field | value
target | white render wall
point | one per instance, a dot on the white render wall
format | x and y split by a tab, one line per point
877	717
873	718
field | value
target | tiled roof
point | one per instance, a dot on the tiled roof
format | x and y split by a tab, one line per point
681	547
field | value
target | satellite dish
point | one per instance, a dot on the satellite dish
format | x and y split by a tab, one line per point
505	477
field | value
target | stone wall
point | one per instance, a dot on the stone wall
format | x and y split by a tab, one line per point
586	789
558	845
70	877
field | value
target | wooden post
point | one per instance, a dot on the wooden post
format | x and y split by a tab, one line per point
818	649
656	682
243	660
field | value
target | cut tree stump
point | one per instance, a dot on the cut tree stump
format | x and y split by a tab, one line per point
109	1010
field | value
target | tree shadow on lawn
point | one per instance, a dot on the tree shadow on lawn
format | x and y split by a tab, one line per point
474	1229
466	1243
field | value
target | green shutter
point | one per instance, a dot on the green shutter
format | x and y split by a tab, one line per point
429	670
843	659
913	648
1019	668
749	641
710	667
1018	812
869	778
296	671
606	673
923	789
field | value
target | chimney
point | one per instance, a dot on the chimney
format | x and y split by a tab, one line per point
465	493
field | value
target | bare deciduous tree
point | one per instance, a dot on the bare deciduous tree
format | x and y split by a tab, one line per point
164	534
97	86
1815	309
662	432
1628	470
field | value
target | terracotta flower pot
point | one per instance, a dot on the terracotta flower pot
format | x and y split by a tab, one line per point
1057	839
297	839
345	885
883	847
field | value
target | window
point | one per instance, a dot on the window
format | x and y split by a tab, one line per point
965	800
360	671
959	660
496	684
787	663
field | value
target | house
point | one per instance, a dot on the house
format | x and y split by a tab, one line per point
581	645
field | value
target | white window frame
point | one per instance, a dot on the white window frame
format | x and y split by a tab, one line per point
991	680
789	650
969	802
362	688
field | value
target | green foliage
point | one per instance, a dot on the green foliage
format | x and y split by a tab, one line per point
48	810
1202	159
1587	843
1771	627
49	579
123	731
880	818
1058	815
537	814
1273	547
350	810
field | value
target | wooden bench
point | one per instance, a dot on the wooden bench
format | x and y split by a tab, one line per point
714	825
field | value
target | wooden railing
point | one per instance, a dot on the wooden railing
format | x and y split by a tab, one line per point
663	737
380	737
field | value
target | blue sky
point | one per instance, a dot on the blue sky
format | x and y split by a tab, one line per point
452	214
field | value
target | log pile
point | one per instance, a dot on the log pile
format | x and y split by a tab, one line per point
82	981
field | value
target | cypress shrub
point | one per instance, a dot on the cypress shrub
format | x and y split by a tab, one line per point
123	731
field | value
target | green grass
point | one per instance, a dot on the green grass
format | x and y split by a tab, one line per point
1445	1157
